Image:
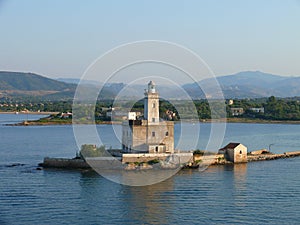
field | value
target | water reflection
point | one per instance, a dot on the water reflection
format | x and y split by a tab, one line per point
145	205
132	204
240	173
240	184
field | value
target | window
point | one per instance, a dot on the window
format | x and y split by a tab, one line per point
167	133
153	105
241	152
153	134
153	120
156	148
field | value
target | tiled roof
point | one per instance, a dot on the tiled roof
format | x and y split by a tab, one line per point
231	145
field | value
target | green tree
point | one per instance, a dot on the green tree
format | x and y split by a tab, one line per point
88	150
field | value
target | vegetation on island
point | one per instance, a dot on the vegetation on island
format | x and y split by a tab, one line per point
88	150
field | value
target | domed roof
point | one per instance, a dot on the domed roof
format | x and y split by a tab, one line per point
151	83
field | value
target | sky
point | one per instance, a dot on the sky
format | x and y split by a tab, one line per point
62	38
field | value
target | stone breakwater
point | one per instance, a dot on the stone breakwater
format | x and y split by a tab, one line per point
263	157
62	163
220	159
196	161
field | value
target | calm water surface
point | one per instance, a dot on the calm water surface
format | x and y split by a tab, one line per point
257	193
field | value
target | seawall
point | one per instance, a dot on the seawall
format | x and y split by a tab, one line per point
263	157
64	163
197	160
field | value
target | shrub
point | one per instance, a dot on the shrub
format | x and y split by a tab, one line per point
88	150
198	152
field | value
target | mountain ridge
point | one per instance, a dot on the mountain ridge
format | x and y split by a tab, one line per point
250	84
245	84
30	82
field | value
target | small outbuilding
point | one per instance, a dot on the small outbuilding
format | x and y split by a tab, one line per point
234	152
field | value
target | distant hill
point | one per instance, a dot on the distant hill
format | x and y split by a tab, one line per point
249	84
30	82
77	80
29	86
18	86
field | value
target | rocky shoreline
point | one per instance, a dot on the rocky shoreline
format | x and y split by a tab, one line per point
198	161
228	120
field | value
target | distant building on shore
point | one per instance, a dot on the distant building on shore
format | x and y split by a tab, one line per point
258	110
148	134
237	111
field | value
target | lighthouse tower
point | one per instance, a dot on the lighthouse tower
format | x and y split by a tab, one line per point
148	134
151	104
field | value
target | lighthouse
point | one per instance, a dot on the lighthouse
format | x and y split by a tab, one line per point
151	104
148	134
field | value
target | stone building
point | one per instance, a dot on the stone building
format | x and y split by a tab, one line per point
148	134
234	152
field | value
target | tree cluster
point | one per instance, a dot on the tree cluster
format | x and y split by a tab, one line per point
274	108
88	150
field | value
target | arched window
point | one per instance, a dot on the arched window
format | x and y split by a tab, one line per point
240	151
167	133
153	105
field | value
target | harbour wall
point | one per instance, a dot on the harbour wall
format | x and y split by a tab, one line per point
64	163
188	158
146	157
270	156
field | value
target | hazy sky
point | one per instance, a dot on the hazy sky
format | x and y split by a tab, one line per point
62	38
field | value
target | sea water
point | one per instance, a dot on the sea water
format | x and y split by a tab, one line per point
265	192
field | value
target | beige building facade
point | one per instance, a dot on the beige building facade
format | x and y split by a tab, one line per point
235	152
148	134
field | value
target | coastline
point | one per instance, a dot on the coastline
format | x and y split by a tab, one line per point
57	123
248	120
228	120
44	122
31	113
